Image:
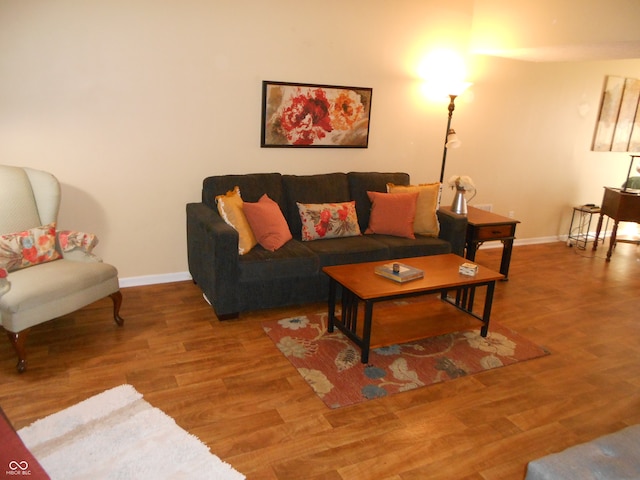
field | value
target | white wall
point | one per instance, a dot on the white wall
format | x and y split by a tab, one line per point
527	140
132	103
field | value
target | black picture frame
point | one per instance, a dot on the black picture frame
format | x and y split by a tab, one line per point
306	115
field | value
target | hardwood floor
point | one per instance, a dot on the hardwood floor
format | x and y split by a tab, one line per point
226	382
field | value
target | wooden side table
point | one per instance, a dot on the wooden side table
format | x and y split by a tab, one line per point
483	226
621	206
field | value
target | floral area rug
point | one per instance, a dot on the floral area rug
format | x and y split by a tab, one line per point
330	362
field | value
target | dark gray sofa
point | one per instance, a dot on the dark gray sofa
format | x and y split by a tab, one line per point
293	274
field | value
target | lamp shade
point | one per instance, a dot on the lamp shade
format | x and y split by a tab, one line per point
452	139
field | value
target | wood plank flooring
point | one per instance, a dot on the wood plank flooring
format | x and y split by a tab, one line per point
226	382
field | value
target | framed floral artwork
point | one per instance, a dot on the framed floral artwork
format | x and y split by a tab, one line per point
308	115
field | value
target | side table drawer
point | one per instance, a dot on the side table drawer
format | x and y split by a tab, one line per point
494	232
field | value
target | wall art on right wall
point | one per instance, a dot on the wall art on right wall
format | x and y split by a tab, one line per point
618	127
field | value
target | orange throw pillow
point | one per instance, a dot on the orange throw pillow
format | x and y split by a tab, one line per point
392	213
426	221
267	223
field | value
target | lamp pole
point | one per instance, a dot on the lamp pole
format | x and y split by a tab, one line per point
626	183
452	107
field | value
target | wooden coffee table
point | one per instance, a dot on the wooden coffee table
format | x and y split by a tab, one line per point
359	283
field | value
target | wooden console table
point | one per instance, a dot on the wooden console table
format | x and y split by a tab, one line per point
621	206
484	226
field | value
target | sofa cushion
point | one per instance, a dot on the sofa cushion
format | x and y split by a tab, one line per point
392	213
267	223
230	208
426	220
338	251
362	182
292	260
252	186
54	289
323	188
328	220
422	245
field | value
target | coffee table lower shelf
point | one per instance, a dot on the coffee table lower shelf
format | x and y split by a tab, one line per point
460	296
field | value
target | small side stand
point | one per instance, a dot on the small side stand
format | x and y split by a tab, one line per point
581	226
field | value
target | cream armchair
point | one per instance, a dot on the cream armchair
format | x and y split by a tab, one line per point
44	274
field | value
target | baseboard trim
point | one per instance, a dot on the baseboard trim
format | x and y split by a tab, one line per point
526	241
154	279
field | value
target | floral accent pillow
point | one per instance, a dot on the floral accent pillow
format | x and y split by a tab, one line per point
70	240
31	247
328	220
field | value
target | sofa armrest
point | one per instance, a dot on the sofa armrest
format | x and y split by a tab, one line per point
453	228
212	251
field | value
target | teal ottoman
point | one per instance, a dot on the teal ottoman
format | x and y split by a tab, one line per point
615	456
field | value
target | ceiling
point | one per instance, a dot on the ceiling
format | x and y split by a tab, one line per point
557	30
569	53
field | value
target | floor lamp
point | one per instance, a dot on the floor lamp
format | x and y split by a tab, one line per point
450	141
450	138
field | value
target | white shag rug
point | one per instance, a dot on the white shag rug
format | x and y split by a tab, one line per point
118	435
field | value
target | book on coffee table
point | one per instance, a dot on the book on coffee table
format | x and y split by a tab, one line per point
401	273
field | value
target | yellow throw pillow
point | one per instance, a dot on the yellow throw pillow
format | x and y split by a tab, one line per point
426	220
230	207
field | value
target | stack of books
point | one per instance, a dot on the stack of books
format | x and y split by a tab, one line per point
399	272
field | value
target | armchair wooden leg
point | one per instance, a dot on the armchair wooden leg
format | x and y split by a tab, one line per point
18	341
117	301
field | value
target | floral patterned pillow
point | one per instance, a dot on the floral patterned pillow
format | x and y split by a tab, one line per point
70	240
328	220
31	247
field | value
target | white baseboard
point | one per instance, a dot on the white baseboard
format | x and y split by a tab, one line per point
154	279
525	241
183	276
538	240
